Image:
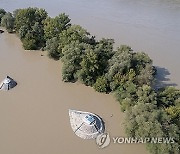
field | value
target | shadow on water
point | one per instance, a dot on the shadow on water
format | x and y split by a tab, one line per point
162	78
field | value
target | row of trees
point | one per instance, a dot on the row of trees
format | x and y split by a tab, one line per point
127	74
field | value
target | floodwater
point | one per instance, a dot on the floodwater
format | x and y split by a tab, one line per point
34	115
150	26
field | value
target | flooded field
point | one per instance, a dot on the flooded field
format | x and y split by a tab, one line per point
34	115
150	26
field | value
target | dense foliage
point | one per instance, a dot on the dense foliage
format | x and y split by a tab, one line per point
156	114
2	13
124	72
54	26
29	24
7	21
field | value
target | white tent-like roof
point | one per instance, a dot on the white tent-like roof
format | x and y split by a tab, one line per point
7	84
86	125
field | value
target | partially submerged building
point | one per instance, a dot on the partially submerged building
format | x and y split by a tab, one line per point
1	31
85	124
7	84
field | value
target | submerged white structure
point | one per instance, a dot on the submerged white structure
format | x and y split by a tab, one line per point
7	84
85	124
1	31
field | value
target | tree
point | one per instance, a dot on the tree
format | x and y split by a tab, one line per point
29	25
54	26
104	51
2	13
140	60
73	33
146	75
52	48
72	58
34	35
29	42
126	95
120	62
143	67
169	102
101	85
23	31
174	112
168	96
38	33
28	17
119	65
7	21
121	79
89	68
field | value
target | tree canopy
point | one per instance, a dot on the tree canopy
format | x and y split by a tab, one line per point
7	21
2	13
147	119
29	26
54	26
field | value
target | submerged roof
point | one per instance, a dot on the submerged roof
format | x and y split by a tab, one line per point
85	124
7	84
1	31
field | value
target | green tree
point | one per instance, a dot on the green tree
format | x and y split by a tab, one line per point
146	75
28	17
52	48
101	85
140	60
104	51
29	42
29	25
2	13
174	112
90	67
73	55
169	102
121	79
168	96
143	67
126	95
7	21
23	31
119	65
73	33
54	26
38	33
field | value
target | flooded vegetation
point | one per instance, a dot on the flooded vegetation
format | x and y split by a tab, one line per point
127	74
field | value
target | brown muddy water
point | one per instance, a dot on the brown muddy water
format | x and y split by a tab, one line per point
34	115
151	26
